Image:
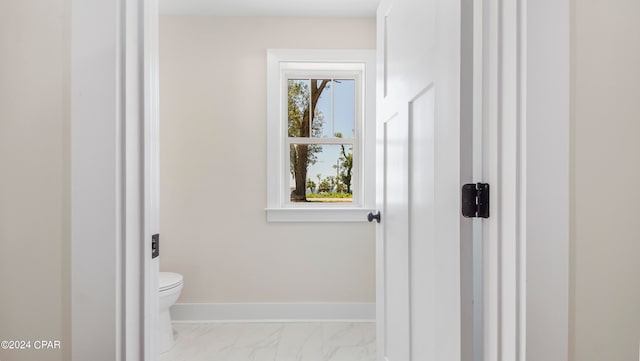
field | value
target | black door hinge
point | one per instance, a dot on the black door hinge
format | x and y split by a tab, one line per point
475	200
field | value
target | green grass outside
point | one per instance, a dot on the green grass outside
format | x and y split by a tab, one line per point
330	195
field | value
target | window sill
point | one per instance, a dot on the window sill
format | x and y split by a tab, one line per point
317	215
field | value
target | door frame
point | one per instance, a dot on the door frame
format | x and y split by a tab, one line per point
527	162
114	199
114	104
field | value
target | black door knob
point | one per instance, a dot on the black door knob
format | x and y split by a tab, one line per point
372	216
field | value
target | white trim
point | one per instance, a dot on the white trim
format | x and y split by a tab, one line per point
527	163
151	191
281	8
284	62
108	189
318	214
504	324
479	76
134	187
491	277
97	215
272	312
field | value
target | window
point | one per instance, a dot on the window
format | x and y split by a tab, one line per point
321	137
321	133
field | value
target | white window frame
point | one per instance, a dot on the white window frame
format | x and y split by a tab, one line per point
283	64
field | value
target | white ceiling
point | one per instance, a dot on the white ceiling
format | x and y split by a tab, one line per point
270	7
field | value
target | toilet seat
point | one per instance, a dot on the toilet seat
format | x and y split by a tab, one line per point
169	280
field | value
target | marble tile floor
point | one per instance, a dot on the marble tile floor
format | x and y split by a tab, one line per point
316	341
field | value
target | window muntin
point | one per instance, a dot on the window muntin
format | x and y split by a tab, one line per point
323	122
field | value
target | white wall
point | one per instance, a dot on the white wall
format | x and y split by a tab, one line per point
606	171
213	168
546	177
34	176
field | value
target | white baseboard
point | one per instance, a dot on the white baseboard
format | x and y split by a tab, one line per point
272	312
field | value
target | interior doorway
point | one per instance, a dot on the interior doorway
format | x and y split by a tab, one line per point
103	308
318	271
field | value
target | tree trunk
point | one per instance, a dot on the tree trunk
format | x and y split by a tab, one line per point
302	150
300	173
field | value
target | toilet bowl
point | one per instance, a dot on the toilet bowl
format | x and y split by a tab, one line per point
170	288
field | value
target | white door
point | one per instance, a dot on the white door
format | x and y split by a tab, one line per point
422	266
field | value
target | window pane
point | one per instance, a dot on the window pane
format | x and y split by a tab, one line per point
321	173
322	110
344	107
298	107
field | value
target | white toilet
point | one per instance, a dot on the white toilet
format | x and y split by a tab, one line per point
170	288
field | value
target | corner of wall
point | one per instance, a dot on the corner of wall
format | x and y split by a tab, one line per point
66	192
572	180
